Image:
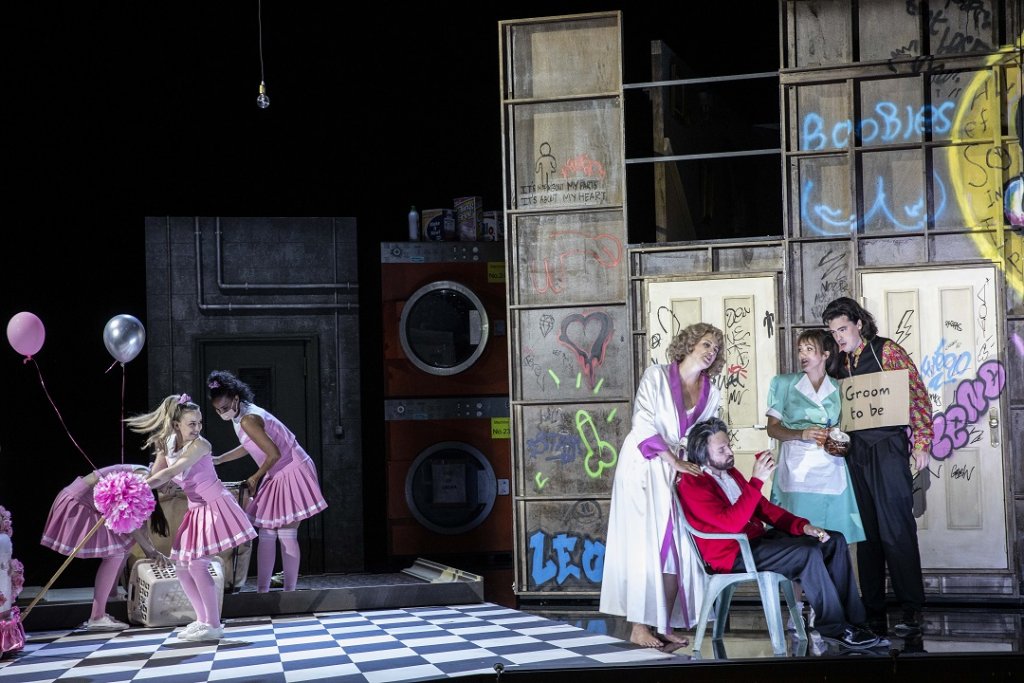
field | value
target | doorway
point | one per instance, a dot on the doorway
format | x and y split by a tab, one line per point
283	372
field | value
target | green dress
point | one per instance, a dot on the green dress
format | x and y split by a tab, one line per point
808	481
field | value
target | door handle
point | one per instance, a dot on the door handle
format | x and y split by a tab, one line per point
993	426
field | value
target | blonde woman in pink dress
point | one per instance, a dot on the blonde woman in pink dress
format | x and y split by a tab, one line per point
285	486
213	522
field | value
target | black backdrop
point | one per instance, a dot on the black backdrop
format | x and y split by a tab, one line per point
120	110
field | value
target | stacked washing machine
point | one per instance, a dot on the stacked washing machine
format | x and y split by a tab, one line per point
447	402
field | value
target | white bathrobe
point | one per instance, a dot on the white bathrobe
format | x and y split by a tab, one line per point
644	502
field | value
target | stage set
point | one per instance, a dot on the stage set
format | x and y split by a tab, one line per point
430	622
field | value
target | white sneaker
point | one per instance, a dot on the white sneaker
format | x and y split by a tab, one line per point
192	626
104	623
203	632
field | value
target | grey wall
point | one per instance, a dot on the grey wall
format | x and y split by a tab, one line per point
278	277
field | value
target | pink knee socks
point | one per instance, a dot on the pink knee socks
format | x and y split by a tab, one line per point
106	577
206	587
265	556
288	537
188	585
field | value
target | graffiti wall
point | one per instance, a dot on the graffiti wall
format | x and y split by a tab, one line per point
565	544
572	258
904	166
577	354
572	449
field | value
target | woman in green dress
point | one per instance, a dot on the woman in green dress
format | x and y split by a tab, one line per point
801	407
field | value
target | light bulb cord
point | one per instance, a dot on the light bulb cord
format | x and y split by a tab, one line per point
259	22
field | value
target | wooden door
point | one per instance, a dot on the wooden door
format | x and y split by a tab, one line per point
948	321
744	308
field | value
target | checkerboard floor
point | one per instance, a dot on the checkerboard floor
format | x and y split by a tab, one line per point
420	643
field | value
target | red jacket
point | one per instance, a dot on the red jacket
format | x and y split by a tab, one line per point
708	509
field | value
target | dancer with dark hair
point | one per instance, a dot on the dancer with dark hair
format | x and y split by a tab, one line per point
879	468
285	486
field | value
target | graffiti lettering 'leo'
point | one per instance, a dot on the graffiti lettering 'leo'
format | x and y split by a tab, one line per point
567	562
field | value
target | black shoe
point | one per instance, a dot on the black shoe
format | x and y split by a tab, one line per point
854	638
870	627
908	627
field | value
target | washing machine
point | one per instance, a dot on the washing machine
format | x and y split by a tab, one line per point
443	311
449	465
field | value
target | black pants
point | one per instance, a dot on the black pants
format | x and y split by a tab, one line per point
880	471
824	570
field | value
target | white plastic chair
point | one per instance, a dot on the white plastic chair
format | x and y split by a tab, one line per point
719	589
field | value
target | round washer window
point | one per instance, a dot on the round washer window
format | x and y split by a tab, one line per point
444	328
450	487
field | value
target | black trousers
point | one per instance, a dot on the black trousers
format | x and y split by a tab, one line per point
824	570
880	471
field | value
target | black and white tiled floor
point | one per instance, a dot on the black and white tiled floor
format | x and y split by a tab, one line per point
420	643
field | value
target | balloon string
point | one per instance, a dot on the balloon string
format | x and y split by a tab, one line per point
124	375
59	416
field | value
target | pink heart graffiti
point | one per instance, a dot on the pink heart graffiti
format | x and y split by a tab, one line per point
591	358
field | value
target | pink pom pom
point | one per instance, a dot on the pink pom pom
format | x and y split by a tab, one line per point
124	499
5	522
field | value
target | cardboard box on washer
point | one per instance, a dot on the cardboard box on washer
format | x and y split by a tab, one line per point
438	225
155	597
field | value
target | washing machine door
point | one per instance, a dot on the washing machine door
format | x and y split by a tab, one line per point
444	328
450	487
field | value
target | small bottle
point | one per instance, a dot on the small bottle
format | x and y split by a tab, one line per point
414	225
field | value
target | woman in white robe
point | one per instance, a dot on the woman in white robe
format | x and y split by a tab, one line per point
650	574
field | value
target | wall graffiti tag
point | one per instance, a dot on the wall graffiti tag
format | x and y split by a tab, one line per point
972	399
944	365
568	256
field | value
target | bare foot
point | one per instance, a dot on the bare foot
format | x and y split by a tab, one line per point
673	638
642	636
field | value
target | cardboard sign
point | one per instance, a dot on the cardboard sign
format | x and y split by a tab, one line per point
879	399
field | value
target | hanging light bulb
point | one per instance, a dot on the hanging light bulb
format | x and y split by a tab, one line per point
262	100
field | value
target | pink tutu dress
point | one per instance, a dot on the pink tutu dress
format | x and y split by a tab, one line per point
73	515
213	522
290	492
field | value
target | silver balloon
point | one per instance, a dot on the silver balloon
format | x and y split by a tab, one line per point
124	337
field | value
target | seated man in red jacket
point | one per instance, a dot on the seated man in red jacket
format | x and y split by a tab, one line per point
722	501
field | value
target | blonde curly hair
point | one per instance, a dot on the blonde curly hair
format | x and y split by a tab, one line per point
683	343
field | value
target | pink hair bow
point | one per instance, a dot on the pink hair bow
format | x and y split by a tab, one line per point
214	384
183	399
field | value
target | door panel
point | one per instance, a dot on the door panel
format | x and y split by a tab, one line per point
944	320
741	308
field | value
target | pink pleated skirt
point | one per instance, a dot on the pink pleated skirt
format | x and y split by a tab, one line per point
71	517
210	527
288	496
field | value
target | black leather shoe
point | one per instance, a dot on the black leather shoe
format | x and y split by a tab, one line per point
854	638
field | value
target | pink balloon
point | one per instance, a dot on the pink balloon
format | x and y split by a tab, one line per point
26	333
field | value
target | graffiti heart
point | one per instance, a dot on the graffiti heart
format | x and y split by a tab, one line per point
587	336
